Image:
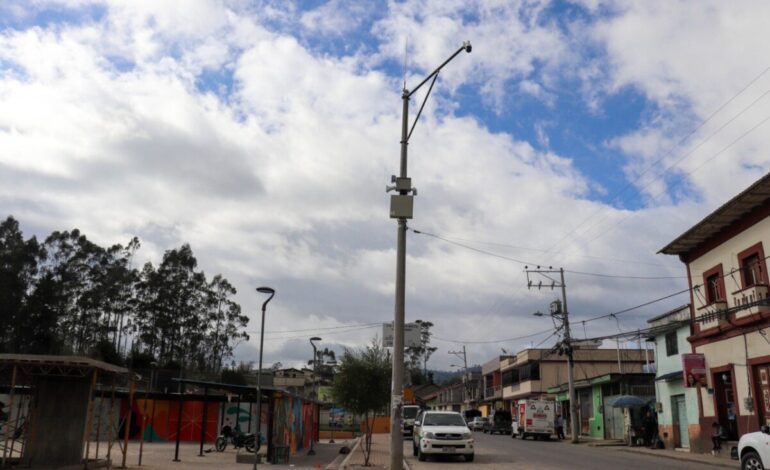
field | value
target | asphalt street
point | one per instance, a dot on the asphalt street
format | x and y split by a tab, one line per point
502	452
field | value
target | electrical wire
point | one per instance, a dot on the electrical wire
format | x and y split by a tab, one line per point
492	341
326	333
355	325
671	151
527	263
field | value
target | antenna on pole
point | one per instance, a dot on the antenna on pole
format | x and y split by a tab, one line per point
406	50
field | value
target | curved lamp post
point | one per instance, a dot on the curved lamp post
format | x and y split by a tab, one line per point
271	292
315	393
401	209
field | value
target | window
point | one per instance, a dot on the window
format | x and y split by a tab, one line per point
752	273
510	377
672	347
712	289
530	371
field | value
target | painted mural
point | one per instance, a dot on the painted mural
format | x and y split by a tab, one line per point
294	424
243	416
162	417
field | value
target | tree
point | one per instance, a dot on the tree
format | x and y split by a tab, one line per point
417	356
362	386
18	266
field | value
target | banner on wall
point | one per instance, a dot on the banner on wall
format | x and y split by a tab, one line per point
694	370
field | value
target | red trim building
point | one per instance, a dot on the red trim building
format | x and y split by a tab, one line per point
730	311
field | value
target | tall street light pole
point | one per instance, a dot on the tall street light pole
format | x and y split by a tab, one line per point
401	208
271	292
315	393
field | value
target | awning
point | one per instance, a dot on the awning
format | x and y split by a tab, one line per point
670	377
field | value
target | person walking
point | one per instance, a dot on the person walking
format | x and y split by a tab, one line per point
650	426
559	425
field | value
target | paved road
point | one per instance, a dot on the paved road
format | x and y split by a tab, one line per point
504	453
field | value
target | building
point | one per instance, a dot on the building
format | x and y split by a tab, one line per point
472	390
531	372
492	398
597	416
727	273
296	381
450	397
676	404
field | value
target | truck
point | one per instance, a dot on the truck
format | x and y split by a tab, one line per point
409	413
534	418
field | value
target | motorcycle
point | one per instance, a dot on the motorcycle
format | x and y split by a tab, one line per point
236	438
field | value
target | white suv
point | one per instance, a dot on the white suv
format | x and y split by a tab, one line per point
754	450
442	432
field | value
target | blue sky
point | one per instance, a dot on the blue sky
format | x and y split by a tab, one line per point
264	133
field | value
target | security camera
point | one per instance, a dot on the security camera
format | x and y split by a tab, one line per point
467	46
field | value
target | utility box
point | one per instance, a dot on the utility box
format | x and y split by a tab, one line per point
401	206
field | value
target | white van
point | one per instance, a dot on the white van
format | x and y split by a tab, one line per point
534	418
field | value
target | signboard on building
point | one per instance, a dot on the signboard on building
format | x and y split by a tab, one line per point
694	370
411	335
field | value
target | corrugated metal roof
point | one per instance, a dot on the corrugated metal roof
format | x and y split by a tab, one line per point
79	362
751	198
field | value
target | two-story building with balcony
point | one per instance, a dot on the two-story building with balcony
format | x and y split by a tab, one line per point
531	372
492	384
725	257
450	397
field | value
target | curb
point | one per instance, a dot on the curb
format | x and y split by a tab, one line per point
683	459
353	448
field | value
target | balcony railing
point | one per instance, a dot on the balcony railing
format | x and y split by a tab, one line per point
493	392
709	315
748	296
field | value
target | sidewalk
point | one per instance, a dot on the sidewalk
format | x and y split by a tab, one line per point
723	460
379	457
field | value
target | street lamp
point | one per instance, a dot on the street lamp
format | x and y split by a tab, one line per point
271	292
401	208
315	393
331	363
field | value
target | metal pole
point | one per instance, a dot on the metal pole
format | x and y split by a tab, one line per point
144	421
258	435
204	419
127	429
179	423
570	362
10	412
91	397
397	390
315	392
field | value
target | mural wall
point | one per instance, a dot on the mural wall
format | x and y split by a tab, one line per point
294	423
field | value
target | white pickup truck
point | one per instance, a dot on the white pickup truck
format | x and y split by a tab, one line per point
534	418
754	450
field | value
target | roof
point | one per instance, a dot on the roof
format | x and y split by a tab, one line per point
240	389
43	364
756	195
669	313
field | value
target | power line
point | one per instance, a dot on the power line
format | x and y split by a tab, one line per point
492	341
355	325
527	263
655	198
326	333
671	151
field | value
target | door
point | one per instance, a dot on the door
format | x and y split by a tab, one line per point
679	413
613	420
762	381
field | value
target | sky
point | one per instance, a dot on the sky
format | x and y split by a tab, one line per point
579	134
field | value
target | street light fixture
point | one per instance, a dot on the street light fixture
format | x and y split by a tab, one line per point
401	208
315	393
271	292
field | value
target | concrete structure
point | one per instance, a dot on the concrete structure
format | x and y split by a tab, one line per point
531	372
296	381
493	386
727	272
472	391
677	405
597	417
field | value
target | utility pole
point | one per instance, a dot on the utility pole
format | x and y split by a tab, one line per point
401	205
559	310
466	380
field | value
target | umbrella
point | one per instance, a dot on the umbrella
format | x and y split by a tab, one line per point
628	401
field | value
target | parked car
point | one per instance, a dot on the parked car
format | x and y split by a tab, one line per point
478	423
499	422
754	449
409	413
442	432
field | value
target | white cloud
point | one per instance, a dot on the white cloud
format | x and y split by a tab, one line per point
280	180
